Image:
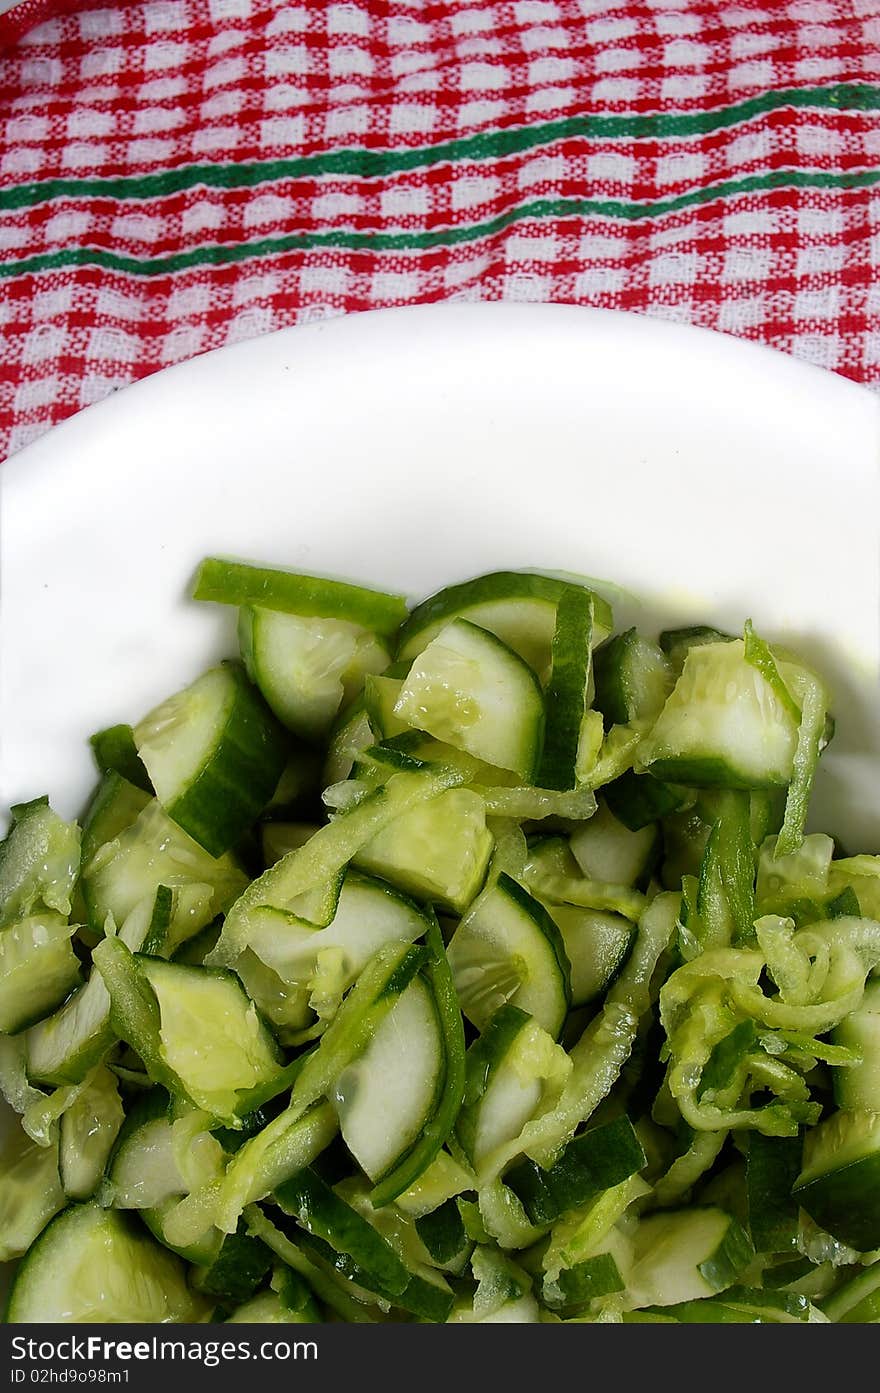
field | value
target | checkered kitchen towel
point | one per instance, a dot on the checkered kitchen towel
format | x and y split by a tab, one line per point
180	174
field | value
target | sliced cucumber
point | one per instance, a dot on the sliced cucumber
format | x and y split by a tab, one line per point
723	725
417	1164
39	861
520	608
439	851
638	800
143	1171
684	1255
633	679
30	1191
385	1097
509	1070
508	949
380	697
858	1300
677	643
210	1035
607	850
858	1086
64	1047
267	1308
840	1182
323	1214
94	1264
114	807
472	691
88	1130
596	945
152	851
214	753
596	1161
38	969
307	668
116	753
567	695
237	1271
232	583
325	962
772	1169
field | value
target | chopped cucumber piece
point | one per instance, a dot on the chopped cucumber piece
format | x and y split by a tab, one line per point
472	691
232	583
722	726
596	945
38	969
677	643
116	753
88	1130
685	1255
307	668
510	1068
607	850
214	753
857	1087
508	949
517	607
439	851
839	1185
39	861
30	1191
92	1264
154	851
772	1169
601	1158
568	688
388	1094
633	679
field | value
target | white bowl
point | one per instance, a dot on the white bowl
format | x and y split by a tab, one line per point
712	479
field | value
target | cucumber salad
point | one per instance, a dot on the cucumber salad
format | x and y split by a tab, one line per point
462	963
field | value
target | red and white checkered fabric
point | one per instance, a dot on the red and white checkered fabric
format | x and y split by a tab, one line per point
180	174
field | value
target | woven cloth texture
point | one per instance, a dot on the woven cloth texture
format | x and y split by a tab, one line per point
182	174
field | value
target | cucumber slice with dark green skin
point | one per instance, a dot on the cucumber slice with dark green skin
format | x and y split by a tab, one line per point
413	1166
232	583
238	1270
116	753
596	945
684	1255
87	1133
87	1252
633	679
307	668
606	849
30	1191
677	643
443	1233
602	1157
575	1287
742	1306
772	1168
214	753
839	1186
858	1086
38	969
380	697
195	1029
507	948
566	697
506	1072
638	800
39	861
386	1096
723	726
439	851
321	1213
472	691
428	1300
520	608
